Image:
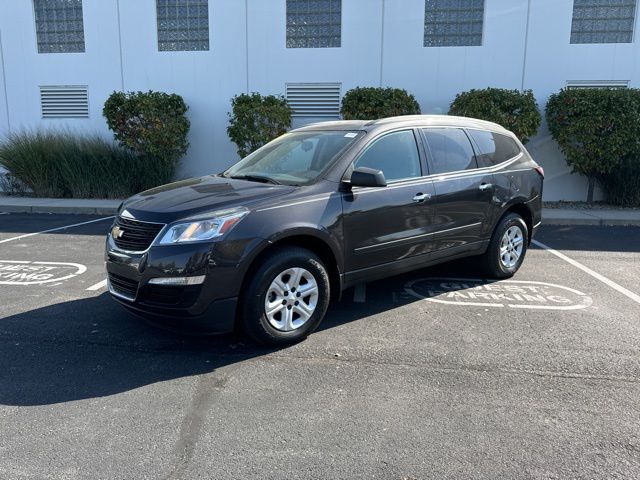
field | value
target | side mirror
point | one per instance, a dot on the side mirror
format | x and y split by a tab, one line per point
368	177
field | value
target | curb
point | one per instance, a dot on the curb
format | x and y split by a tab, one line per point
595	222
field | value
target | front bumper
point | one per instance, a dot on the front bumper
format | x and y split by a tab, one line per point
209	307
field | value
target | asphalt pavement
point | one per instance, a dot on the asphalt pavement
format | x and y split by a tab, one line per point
433	374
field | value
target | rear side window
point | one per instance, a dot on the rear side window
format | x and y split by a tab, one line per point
450	150
396	154
493	148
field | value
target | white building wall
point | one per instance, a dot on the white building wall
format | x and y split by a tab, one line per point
26	70
551	62
381	45
205	79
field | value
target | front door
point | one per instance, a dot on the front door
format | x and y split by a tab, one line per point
387	224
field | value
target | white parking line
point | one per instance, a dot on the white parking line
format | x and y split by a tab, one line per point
633	296
98	286
53	229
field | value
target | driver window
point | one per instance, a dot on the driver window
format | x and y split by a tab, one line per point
396	154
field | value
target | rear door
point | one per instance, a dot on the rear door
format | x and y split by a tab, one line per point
463	203
392	223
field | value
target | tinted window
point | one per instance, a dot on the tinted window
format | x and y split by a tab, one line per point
296	158
450	150
493	148
396	154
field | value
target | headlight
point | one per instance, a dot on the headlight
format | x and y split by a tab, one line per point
201	230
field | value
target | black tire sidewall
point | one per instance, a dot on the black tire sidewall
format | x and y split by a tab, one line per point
495	266
254	319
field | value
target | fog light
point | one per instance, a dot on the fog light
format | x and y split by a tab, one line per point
179	281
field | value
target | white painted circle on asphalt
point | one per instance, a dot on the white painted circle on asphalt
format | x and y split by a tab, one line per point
24	272
498	294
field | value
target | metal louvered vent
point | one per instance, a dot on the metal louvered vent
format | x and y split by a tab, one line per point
320	100
68	101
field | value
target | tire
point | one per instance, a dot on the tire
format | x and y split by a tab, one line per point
494	263
272	311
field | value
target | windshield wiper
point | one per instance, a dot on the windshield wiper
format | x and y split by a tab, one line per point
255	178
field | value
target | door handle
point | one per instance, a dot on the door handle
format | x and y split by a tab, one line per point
421	197
485	186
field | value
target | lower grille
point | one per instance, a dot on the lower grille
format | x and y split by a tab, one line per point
123	286
135	236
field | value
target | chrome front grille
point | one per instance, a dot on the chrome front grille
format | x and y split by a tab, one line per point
135	236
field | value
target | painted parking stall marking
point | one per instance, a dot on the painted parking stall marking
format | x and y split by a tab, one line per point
503	294
25	272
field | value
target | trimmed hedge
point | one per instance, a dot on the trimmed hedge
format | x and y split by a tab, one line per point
372	103
598	131
515	110
150	124
64	165
256	120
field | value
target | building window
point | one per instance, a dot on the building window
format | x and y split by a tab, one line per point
603	21
183	25
59	27
314	23
453	23
316	100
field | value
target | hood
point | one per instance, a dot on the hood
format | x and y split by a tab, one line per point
195	196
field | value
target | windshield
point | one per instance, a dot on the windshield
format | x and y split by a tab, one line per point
297	158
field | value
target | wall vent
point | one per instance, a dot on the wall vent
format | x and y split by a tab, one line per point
319	100
597	84
64	101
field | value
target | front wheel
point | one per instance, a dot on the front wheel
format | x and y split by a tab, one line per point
287	297
507	247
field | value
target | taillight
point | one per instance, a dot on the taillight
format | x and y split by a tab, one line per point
540	170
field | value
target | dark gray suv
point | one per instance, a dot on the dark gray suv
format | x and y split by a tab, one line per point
268	243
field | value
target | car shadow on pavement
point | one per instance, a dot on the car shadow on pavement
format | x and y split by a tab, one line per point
92	347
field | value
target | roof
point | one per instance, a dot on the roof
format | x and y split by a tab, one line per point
406	120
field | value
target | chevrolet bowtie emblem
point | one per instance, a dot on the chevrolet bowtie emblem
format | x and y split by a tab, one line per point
117	232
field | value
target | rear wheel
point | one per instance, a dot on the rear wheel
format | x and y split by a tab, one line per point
287	297
507	247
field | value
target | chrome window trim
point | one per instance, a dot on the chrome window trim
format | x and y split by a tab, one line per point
442	177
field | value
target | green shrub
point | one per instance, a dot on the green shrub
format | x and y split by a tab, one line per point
597	129
372	103
515	110
256	120
622	185
62	164
150	124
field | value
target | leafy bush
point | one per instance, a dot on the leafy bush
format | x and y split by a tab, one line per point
61	164
514	110
150	124
597	129
256	120
622	186
372	103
